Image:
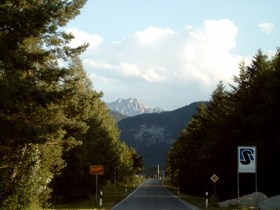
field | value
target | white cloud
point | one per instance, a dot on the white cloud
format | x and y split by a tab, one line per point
158	63
206	56
82	37
266	27
188	27
152	34
153	76
93	64
129	69
122	69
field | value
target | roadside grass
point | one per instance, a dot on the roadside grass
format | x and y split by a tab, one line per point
196	201
199	202
111	197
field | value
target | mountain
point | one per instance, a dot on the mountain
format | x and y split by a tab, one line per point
117	116
152	134
131	107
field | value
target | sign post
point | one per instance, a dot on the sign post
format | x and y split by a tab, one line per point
158	171
96	170
96	184
214	178
246	163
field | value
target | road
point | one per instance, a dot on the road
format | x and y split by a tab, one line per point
151	195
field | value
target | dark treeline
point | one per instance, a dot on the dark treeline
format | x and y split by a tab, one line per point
247	115
53	125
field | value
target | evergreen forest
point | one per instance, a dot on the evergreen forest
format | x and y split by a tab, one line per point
53	125
246	115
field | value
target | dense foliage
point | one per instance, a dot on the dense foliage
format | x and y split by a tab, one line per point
117	116
100	147
247	115
47	105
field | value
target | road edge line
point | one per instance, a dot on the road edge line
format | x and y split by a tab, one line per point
127	196
184	202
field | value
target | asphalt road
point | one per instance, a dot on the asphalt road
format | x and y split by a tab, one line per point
151	195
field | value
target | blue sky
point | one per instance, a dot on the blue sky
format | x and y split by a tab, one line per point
169	53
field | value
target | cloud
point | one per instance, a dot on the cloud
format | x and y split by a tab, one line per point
82	37
152	34
206	55
266	27
161	64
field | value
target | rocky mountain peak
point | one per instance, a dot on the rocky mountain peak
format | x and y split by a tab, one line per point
131	107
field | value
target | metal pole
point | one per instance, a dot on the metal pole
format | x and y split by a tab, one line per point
238	195
158	172
96	189
256	178
256	189
214	190
115	180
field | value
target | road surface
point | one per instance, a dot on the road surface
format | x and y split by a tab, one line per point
151	195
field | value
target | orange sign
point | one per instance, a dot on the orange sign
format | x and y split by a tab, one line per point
214	178
96	170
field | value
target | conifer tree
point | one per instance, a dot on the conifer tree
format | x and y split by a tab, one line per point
246	115
100	146
43	105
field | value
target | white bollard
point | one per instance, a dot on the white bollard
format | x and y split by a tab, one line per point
206	201
125	188
101	198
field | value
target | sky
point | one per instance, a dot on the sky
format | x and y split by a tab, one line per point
170	53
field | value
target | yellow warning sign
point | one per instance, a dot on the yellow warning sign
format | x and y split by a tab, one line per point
96	170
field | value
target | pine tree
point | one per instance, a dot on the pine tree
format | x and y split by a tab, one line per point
43	105
246	115
100	146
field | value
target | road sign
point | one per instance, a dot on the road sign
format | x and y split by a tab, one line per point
247	159
214	178
96	170
247	163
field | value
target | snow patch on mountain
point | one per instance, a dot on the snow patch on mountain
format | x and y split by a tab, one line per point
131	107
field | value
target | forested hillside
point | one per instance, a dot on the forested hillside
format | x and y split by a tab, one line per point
152	134
53	125
117	116
247	115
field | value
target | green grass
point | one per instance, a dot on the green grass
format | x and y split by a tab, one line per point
111	198
199	202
